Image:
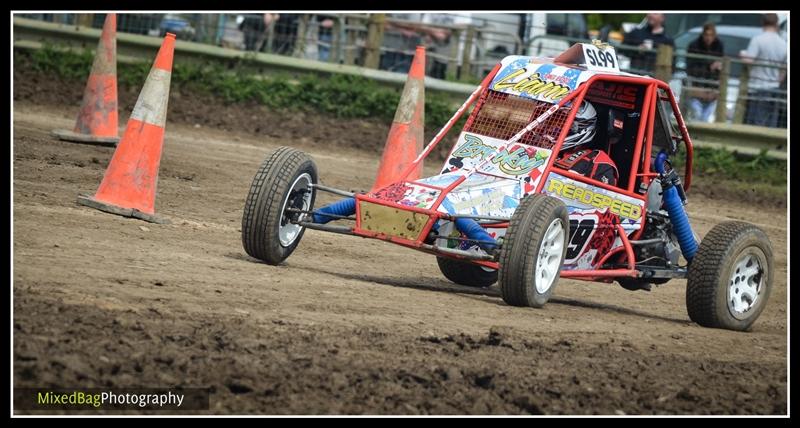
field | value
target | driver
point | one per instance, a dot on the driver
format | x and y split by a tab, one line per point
575	157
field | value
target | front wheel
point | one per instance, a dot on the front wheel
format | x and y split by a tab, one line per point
730	277
283	182
533	251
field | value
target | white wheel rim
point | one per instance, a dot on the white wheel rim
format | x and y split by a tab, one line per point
745	284
548	263
288	231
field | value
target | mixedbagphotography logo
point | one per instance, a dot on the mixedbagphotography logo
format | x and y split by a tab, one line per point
111	399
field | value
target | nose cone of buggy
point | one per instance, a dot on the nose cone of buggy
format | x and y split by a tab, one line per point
384	214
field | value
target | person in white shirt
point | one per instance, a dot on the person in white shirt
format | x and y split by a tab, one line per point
765	81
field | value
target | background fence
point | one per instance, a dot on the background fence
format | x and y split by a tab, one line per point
459	47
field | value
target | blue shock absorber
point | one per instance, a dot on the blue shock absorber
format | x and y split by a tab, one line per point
677	214
344	207
473	230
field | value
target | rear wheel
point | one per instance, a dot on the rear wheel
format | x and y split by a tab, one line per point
533	251
730	277
468	274
283	181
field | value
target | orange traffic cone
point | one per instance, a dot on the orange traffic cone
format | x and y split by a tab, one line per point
406	134
129	185
97	121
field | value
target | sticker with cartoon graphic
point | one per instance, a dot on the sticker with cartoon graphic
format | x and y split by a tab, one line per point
498	198
441	181
517	161
409	194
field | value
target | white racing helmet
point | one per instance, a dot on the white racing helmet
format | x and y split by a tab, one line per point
583	127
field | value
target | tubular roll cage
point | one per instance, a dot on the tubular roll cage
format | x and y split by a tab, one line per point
644	137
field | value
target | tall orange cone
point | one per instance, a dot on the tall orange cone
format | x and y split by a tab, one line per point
405	136
98	119
129	185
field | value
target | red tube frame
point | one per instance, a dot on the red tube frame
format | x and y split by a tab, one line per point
637	151
590	274
644	133
687	140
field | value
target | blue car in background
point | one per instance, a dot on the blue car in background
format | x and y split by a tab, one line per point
178	25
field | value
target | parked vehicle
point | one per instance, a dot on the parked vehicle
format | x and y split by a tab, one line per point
178	25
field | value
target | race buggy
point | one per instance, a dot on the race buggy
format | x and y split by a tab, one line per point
503	210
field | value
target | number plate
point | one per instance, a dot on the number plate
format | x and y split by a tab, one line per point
600	59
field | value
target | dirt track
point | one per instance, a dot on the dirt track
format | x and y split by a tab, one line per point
347	325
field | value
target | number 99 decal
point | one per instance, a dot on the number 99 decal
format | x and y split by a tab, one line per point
581	229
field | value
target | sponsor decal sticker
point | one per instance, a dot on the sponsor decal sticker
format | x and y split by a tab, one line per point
591	197
515	162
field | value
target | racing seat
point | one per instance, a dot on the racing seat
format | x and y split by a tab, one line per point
616	135
622	126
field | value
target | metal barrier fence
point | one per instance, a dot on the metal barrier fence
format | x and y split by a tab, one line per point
369	40
753	93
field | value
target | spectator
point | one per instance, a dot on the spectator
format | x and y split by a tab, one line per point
285	33
325	37
651	36
702	96
400	40
270	22
438	40
253	27
604	33
765	82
